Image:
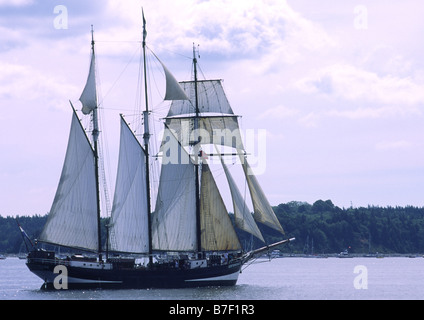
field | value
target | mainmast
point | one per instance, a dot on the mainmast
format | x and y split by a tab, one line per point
146	143
95	134
196	153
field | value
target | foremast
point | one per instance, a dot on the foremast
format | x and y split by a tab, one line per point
74	217
95	134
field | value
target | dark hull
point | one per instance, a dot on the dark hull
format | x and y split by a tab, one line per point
133	278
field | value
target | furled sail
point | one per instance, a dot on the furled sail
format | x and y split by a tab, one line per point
263	212
72	221
89	95
243	218
174	218
129	219
217	232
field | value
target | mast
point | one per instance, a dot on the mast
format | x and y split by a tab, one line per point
146	143
196	153
96	155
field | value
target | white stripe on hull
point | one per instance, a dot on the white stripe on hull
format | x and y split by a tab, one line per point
79	280
228	277
49	277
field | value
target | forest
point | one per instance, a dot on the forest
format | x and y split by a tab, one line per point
319	228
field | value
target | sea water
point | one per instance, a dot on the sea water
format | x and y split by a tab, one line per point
278	279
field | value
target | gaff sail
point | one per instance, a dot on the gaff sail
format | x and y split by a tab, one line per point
174	219
217	231
72	221
129	217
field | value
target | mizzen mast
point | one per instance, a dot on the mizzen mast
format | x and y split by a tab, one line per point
196	144
146	144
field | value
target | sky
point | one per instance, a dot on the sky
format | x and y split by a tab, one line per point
332	91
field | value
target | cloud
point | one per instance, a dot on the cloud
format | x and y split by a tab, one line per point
310	120
288	66
393	145
26	83
15	3
352	83
385	60
389	94
279	112
223	27
372	112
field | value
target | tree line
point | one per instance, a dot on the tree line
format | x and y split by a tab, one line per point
319	228
368	229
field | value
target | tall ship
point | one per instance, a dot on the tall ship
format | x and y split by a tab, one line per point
188	239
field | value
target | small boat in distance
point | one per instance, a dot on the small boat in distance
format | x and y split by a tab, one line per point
345	254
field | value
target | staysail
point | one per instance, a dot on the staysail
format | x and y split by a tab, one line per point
129	218
174	92
72	221
263	212
243	218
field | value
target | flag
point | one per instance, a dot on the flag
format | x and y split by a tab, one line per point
203	155
144	27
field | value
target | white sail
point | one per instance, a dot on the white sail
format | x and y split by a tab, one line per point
72	220
174	91
263	212
173	88
211	99
217	232
129	219
217	123
243	218
174	218
212	130
89	95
